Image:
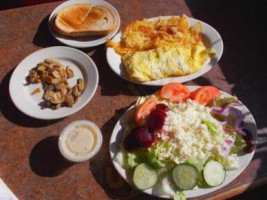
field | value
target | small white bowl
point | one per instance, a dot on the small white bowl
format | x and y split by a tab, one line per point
76	157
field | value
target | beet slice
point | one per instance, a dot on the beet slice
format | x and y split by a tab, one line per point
130	143
162	106
155	120
144	137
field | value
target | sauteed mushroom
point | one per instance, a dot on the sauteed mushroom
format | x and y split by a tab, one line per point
53	76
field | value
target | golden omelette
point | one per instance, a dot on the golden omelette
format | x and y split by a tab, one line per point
152	50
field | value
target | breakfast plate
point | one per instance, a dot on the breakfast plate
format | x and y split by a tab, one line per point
20	90
89	41
243	158
212	39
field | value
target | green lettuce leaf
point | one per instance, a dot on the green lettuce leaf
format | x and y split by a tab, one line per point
219	101
239	144
155	159
179	195
211	127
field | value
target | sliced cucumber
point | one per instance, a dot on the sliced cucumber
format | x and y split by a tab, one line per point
214	173
144	176
185	176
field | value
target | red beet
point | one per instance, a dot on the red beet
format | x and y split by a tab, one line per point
130	143
155	120
162	107
144	137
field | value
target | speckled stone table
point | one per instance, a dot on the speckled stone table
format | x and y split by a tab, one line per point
30	162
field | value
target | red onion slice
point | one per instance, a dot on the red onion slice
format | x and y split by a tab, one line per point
225	111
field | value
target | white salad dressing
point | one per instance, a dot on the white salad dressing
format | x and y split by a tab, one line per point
80	140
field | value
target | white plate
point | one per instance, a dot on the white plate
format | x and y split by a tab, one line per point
211	39
119	130
81	64
89	41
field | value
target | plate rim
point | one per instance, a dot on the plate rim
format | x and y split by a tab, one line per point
83	44
160	82
117	165
53	48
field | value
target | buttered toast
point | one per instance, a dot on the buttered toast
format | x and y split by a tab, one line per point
84	19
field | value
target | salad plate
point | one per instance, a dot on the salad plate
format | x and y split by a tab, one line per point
122	126
87	41
212	39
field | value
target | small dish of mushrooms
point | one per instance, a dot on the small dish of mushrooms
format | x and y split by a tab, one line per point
53	82
53	76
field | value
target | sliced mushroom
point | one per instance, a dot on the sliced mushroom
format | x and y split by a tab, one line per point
69	100
58	98
69	72
43	63
54	97
48	104
56	74
48	95
52	80
80	84
63	88
56	106
70	90
36	91
76	99
57	67
53	61
76	92
41	68
63	73
33	77
42	74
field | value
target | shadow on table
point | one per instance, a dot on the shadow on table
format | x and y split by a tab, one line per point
202	81
43	37
258	189
102	167
11	113
243	27
46	160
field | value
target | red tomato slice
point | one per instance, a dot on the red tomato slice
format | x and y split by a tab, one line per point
175	92
205	95
144	109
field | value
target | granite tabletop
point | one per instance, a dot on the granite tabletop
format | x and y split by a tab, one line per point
30	162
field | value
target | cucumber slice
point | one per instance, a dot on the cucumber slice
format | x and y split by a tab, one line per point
214	173
185	176
144	176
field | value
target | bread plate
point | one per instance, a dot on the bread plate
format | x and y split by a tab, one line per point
211	39
20	92
83	42
243	159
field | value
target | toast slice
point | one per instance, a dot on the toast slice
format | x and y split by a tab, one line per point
84	19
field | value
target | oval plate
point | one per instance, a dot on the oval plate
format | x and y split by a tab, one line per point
211	39
244	160
81	64
89	41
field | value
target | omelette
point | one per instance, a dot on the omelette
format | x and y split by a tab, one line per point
152	50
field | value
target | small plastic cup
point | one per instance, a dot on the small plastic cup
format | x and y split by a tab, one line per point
90	128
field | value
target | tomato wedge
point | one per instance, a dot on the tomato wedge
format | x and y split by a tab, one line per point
205	95
175	92
144	109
